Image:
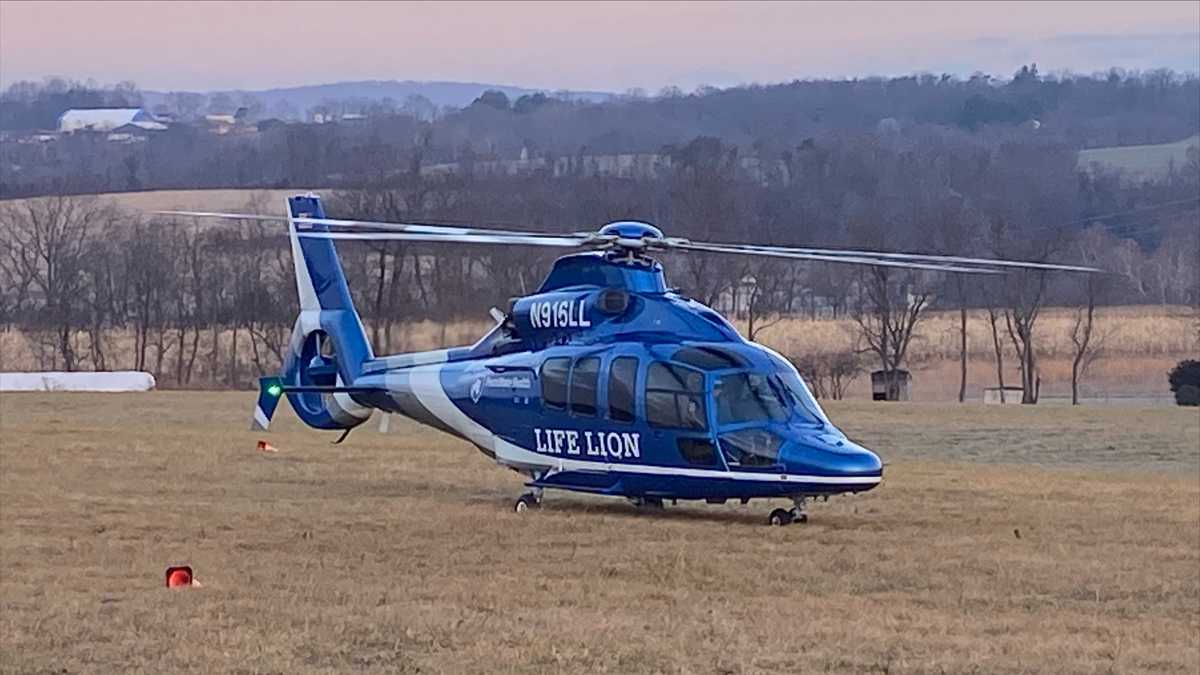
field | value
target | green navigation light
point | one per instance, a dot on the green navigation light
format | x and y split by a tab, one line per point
274	390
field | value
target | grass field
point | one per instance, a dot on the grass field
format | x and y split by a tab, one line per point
1141	344
1140	162
199	200
1004	539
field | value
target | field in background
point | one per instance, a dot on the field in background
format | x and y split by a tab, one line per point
1140	162
1142	344
398	552
198	200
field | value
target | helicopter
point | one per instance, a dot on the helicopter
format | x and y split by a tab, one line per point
603	381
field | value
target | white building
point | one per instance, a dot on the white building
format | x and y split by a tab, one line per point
100	119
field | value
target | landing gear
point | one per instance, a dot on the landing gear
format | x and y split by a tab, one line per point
780	517
648	503
529	500
796	514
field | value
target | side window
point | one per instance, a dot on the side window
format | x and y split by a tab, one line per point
584	380
554	383
675	397
622	381
699	451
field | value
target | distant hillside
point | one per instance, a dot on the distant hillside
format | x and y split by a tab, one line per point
457	94
1140	162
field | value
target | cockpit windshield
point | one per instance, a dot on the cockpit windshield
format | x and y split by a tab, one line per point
755	397
805	406
748	397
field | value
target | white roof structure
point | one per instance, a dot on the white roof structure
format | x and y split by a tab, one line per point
122	380
100	119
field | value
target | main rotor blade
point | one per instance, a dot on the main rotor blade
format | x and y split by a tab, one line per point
569	241
422	228
365	224
857	260
918	257
226	216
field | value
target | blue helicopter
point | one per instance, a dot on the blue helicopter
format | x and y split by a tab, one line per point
603	381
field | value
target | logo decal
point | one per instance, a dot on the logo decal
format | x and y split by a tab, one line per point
477	390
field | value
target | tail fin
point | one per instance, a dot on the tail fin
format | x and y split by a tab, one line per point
329	345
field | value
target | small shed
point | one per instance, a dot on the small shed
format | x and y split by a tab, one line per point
891	385
1005	395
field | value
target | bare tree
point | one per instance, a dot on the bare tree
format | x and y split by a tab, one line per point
887	314
998	347
47	242
1020	317
1087	342
768	291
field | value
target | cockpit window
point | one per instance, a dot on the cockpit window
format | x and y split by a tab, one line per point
675	397
804	405
707	358
750	447
554	382
748	397
584	379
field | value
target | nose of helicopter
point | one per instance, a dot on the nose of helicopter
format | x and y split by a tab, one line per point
829	455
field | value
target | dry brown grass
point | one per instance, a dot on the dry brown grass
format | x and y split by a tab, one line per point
1150	330
398	553
198	200
1144	343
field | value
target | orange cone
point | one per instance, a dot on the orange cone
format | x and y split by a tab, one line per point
264	446
178	577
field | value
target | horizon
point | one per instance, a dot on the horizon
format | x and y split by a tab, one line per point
581	47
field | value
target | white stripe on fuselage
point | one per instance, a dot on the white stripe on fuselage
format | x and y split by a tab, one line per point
410	360
426	385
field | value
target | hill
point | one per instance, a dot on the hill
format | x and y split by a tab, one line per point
456	94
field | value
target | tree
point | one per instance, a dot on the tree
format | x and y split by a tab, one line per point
1020	317
998	349
830	375
492	98
185	105
47	241
887	313
768	289
419	107
1184	379
1088	344
530	103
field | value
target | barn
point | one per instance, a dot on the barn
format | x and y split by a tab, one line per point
100	119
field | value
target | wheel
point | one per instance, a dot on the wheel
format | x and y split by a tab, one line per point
780	517
524	503
800	518
652	503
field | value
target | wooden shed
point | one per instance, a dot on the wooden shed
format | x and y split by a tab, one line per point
892	385
992	395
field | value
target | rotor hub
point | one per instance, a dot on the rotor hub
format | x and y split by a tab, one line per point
631	238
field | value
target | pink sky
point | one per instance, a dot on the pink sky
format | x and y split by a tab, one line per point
217	45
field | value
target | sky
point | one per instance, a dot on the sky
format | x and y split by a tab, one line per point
203	46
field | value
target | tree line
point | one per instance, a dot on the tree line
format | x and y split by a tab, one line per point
76	273
386	139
